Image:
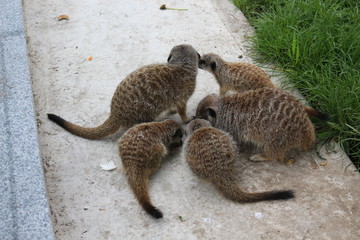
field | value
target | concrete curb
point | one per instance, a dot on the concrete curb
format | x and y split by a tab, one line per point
24	208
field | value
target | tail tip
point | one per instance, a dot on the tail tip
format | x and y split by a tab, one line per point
323	116
283	195
320	115
154	212
55	118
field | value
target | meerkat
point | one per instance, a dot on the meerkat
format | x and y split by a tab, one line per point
142	149
268	118
233	76
211	154
241	77
145	93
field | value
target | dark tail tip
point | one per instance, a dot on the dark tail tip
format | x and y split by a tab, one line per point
323	116
281	195
56	119
153	211
319	115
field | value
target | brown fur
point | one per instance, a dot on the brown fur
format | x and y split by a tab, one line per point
269	118
240	77
211	154
146	93
142	149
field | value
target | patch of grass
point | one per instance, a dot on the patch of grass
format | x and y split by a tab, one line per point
317	43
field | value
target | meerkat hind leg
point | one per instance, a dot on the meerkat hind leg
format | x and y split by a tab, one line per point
266	157
170	111
260	158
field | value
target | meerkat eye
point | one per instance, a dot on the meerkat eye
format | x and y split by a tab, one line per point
168	60
213	65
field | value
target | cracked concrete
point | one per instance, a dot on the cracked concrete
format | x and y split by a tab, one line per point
89	203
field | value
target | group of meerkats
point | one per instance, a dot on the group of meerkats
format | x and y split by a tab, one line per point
258	113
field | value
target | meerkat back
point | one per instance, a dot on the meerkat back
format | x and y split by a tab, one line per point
211	154
268	118
145	93
142	149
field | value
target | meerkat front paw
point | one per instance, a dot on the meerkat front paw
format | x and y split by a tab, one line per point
189	119
258	158
172	112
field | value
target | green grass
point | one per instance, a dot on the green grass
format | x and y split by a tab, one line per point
317	44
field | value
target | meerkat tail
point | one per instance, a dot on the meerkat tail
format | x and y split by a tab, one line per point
314	113
230	189
139	185
110	126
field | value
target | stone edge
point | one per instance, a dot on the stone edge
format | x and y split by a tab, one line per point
24	208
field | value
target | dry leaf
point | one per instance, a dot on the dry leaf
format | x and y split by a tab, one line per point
314	166
63	17
163	7
323	163
290	161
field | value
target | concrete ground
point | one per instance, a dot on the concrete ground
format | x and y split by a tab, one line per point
90	203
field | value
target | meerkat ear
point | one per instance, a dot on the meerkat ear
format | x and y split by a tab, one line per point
211	115
198	55
213	65
168	60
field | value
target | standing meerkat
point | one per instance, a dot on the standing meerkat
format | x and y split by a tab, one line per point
211	154
268	118
241	77
145	93
142	149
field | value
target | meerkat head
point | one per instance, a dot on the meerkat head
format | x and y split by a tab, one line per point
210	62
184	55
196	124
208	107
176	133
